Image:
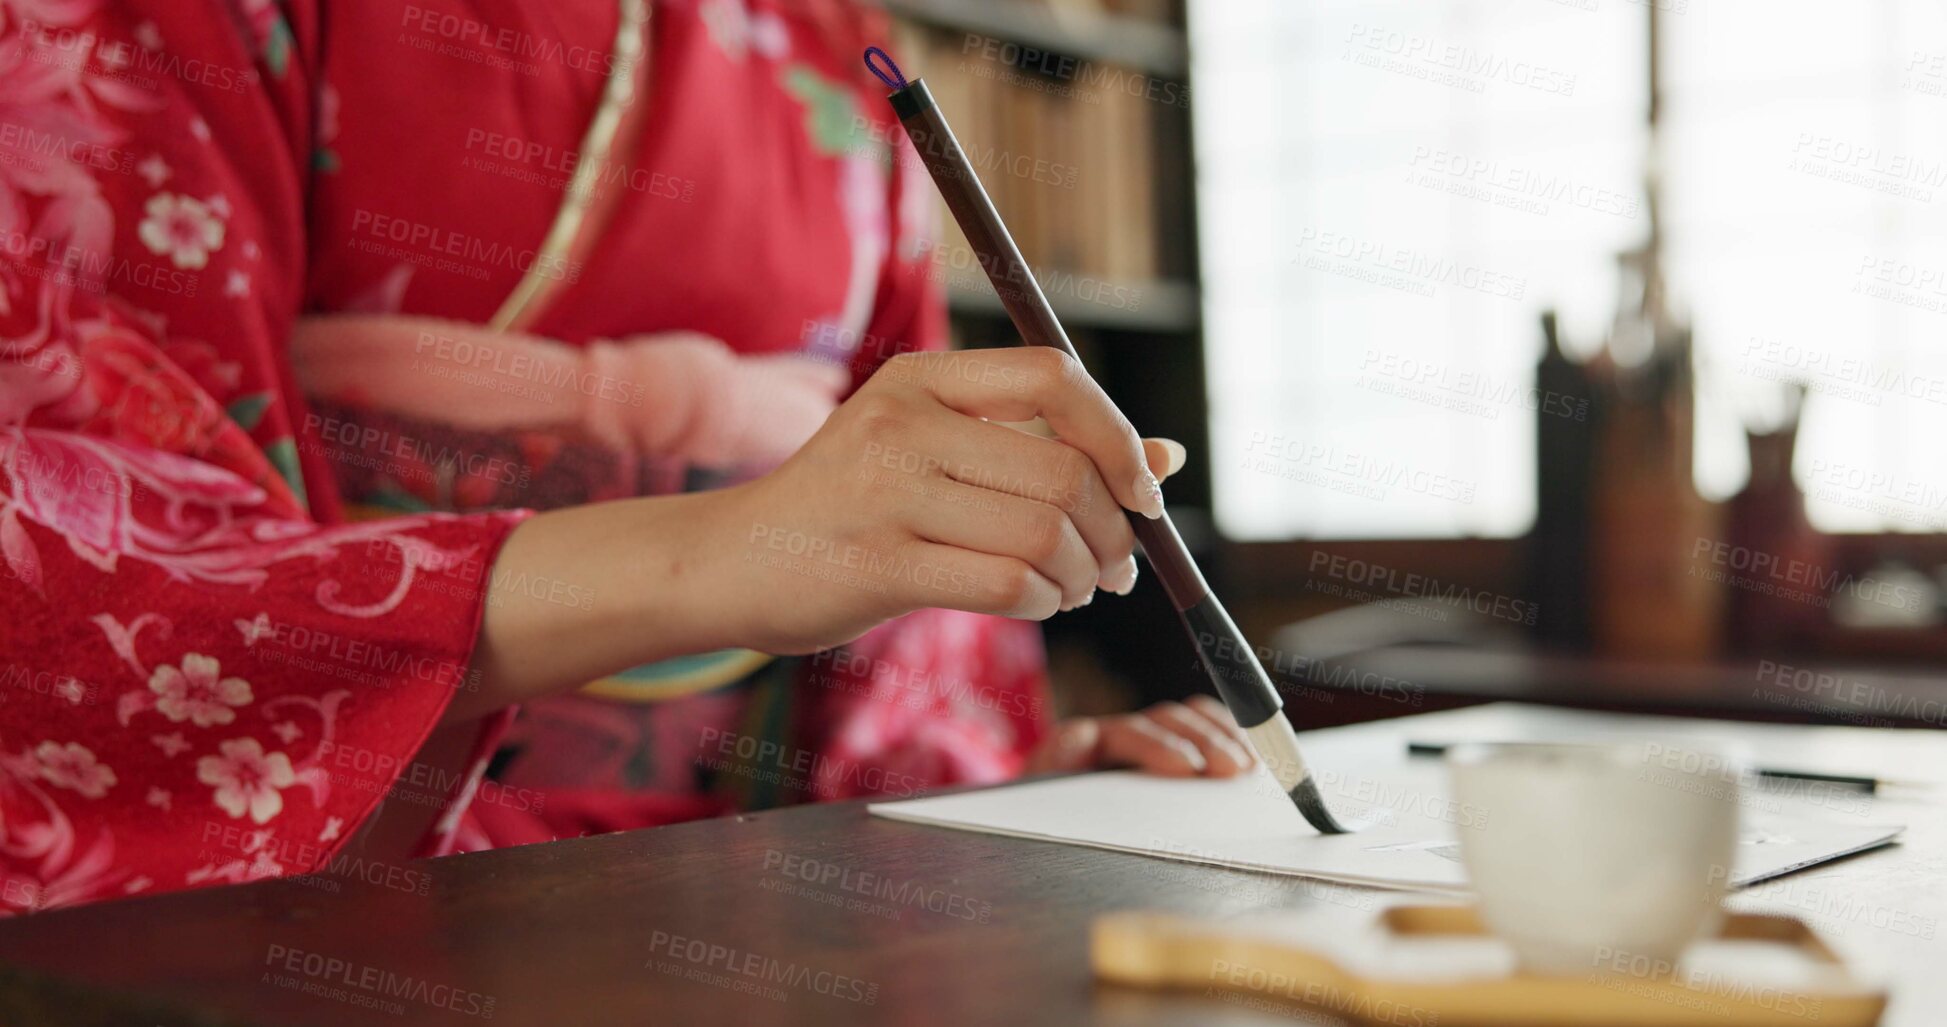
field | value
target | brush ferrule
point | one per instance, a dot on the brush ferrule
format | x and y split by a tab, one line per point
1277	746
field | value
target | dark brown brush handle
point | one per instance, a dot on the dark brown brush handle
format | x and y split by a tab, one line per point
1227	658
1024	301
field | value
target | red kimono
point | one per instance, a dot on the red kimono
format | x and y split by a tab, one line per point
266	275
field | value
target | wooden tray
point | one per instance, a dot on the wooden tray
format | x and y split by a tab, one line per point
1425	965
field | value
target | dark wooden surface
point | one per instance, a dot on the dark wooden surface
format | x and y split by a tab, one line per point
964	928
1780	691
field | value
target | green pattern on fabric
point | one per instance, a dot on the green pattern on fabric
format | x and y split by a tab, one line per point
277	46
389	496
247	410
832	119
283	456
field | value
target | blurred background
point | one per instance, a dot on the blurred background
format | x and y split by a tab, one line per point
1575	351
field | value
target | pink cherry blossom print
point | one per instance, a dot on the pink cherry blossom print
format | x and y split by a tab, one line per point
246	779
74	766
196	692
182	228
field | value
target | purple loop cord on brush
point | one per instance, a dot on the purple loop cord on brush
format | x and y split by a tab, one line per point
895	81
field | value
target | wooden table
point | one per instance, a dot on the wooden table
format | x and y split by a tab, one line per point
772	918
1401	679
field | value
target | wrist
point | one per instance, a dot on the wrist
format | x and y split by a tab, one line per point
644	583
687	579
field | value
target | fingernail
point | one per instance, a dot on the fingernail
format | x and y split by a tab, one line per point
1123	582
1086	599
1178	456
1192	755
1150	494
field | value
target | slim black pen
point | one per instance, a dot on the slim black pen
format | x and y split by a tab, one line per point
1867	784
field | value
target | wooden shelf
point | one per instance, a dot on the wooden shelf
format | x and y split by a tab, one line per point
1163	306
1145	45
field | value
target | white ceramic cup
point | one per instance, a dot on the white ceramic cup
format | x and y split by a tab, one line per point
1585	857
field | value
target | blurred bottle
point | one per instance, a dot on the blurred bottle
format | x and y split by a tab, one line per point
1566	422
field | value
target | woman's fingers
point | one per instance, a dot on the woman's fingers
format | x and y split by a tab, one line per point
1165	456
1219	716
1003	459
1195	737
984	521
1136	740
1019	384
909	497
1174	740
1225	755
952	578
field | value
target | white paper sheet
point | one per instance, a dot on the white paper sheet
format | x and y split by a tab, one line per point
1247	823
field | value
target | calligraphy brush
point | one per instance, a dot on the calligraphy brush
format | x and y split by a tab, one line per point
1228	660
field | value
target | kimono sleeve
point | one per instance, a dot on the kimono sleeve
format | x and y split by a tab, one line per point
201	679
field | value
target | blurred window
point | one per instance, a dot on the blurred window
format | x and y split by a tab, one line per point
1390	194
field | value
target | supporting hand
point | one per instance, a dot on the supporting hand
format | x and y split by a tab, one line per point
1193	738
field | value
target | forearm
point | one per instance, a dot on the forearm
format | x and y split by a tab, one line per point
588	591
908	497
